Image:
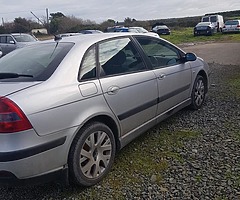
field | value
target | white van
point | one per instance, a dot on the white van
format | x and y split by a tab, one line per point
217	20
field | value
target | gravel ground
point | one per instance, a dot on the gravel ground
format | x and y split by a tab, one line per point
209	167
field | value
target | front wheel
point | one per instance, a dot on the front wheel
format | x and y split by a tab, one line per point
198	93
92	154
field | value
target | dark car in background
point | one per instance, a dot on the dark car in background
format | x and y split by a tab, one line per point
204	28
10	42
161	30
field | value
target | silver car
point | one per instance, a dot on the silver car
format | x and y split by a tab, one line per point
231	26
10	42
67	106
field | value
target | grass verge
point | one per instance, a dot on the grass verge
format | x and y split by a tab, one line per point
185	35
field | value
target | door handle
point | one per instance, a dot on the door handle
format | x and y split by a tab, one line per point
161	76
113	90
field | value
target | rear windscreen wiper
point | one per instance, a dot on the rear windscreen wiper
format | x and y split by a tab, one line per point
13	75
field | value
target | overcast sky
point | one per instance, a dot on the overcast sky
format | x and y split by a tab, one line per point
118	10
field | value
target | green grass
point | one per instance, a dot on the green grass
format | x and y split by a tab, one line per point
185	35
235	84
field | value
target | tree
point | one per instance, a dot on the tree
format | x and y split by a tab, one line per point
21	25
55	21
128	21
109	23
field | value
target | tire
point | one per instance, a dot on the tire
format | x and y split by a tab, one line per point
92	154
198	93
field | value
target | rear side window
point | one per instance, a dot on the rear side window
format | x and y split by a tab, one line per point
37	61
3	39
88	66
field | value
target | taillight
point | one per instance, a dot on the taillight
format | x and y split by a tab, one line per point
238	25
12	118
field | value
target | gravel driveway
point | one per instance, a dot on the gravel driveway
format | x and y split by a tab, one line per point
207	167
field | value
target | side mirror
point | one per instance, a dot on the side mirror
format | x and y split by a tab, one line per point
11	42
1	53
190	57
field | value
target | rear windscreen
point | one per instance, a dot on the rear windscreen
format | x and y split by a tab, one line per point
37	61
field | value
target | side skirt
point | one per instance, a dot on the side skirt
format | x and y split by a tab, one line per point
124	140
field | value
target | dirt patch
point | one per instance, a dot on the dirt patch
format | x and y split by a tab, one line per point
221	53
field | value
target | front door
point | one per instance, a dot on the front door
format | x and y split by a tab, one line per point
173	76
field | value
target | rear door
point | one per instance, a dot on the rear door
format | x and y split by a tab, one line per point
173	76
129	87
7	44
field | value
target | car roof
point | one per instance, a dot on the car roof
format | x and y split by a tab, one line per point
94	38
204	23
19	34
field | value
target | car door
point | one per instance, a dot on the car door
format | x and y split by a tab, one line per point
173	75
7	43
3	43
129	87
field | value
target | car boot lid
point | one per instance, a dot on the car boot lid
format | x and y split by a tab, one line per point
8	88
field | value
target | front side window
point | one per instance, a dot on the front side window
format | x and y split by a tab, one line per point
88	66
119	56
159	53
10	40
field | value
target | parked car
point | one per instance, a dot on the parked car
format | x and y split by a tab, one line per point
204	28
135	29
67	106
90	31
10	42
67	34
161	30
216	20
231	26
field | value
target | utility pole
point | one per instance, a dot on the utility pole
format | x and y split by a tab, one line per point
37	18
47	16
2	21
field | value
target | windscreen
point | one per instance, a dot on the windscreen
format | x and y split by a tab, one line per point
231	23
24	38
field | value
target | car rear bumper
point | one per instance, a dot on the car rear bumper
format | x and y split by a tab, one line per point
9	179
231	30
26	156
202	32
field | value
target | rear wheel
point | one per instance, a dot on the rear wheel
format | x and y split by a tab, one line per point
92	154
198	93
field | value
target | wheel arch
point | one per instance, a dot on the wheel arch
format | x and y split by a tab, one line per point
205	77
105	119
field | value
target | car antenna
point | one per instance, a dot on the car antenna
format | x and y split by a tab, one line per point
57	37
